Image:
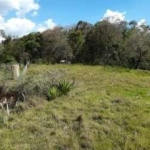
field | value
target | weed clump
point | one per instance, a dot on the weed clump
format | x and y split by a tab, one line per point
65	86
62	88
48	84
52	93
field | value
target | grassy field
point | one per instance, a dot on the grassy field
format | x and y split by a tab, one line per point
108	109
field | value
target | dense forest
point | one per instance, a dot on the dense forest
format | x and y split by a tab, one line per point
123	43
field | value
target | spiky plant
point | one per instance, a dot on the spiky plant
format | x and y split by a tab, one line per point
65	86
52	93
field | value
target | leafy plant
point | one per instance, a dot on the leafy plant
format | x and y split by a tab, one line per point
52	93
65	86
38	83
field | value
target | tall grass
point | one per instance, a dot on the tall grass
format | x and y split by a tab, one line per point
107	110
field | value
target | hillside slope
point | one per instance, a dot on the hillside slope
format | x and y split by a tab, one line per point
108	109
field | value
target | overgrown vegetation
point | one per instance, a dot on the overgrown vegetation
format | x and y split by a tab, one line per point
108	109
48	84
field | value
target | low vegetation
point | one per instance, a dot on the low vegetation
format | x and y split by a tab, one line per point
108	109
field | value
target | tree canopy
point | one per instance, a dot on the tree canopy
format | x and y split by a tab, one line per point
122	44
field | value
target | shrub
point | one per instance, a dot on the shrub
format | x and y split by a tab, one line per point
39	84
62	88
65	86
9	59
52	93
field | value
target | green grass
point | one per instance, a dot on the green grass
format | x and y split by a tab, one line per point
108	109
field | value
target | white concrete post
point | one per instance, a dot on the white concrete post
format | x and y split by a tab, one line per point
16	71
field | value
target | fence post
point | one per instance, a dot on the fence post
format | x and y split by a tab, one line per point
16	71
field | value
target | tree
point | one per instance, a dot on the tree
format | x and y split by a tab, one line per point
76	40
32	43
55	45
133	24
8	53
102	43
83	26
138	48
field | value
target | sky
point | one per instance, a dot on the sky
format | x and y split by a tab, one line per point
20	17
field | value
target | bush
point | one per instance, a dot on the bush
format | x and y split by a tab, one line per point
9	59
46	84
65	86
39	84
62	88
52	93
34	84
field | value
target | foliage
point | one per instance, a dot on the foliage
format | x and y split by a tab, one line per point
31	85
55	45
62	88
39	84
65	86
52	93
76	40
121	43
8	59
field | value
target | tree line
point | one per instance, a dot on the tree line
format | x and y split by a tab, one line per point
123	43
